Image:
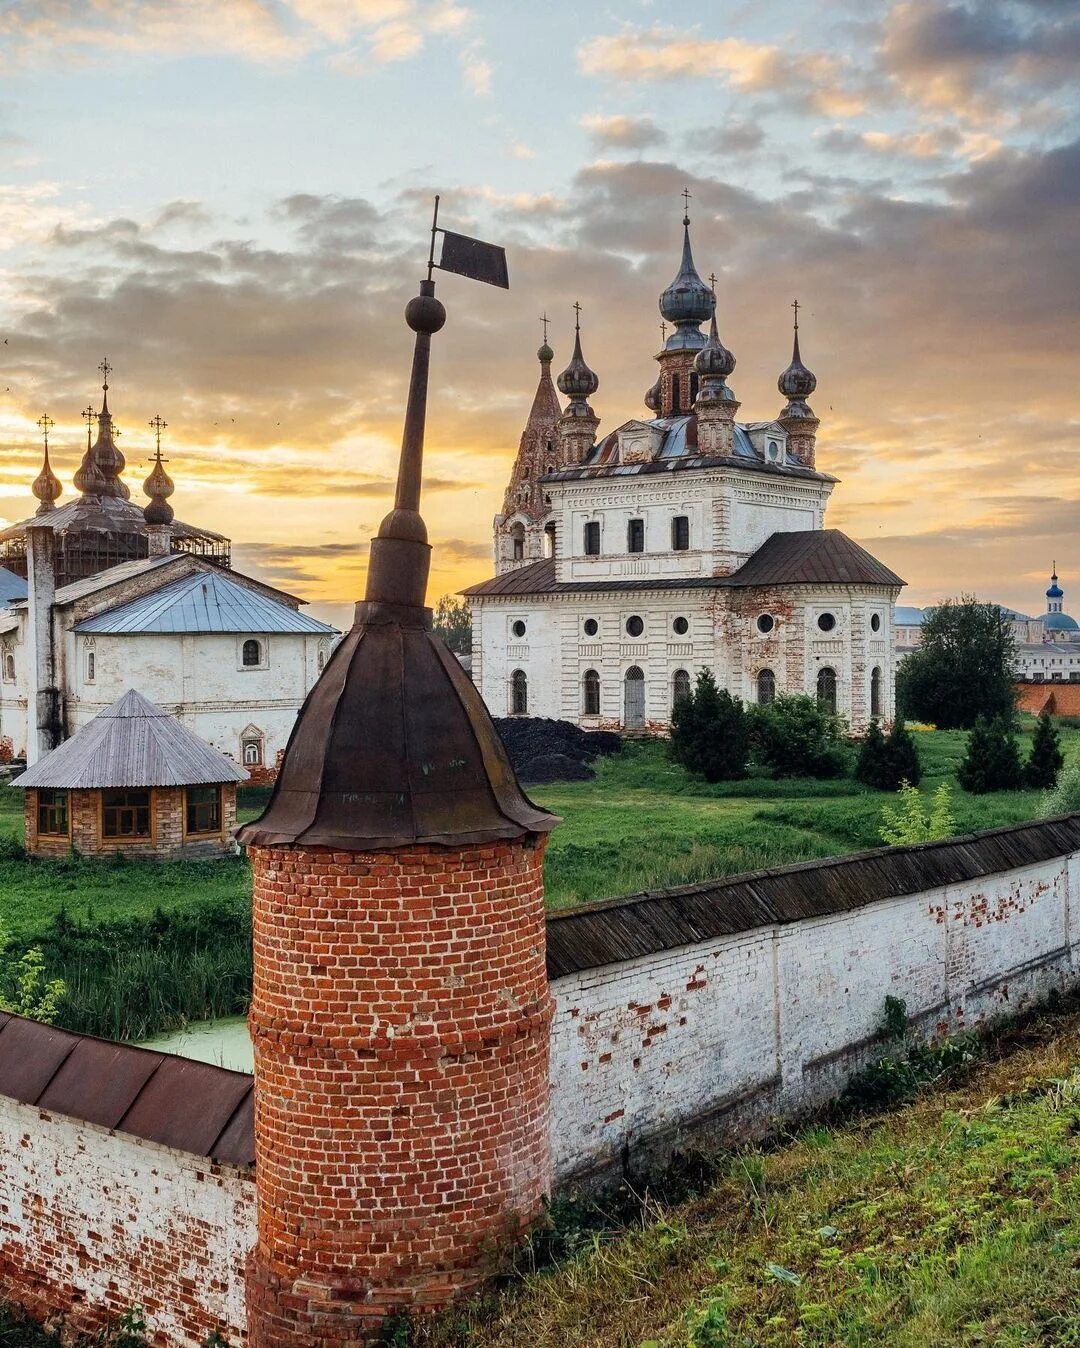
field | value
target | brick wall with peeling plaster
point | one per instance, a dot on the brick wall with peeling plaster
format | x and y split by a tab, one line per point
724	1035
734	1031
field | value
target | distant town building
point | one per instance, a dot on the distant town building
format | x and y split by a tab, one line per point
132	779
101	595
1047	646
684	540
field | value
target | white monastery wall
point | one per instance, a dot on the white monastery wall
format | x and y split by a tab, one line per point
93	1220
769	1023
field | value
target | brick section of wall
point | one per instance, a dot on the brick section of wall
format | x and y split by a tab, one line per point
734	1032
168	840
1057	697
401	1019
93	1223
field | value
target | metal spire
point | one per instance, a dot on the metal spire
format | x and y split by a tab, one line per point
46	423
89	416
686	205
157	425
544	320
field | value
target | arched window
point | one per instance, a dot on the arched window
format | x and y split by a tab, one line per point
517	542
766	687
251	655
676	399
693	386
875	692
634	699
519	693
826	689
91	666
680	685
590	693
251	751
549	539
321	657
9	666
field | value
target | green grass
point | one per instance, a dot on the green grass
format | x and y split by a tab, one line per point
954	1221
644	823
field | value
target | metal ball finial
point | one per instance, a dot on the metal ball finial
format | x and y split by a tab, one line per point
425	313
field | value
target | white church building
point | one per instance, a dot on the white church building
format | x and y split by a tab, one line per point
684	540
101	595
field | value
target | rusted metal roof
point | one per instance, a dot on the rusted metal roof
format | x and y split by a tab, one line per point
191	1106
394	746
645	924
104	514
804	557
132	743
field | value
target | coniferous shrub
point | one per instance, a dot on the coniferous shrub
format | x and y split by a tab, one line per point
794	736
709	732
886	761
1044	763
992	760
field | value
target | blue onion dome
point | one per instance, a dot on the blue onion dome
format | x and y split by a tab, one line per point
1060	622
46	486
577	381
652	397
688	300
714	359
1055	591
796	381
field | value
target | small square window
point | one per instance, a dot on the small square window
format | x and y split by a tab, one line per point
202	809
52	813
125	815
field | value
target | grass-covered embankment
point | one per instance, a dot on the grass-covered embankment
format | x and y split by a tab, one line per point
953	1221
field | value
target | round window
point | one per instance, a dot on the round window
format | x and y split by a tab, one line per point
635	626
591	627
765	622
681	626
875	622
826	622
518	628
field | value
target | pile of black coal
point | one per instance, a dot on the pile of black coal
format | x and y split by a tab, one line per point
543	750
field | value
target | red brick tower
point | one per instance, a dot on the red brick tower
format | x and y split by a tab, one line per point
401	1008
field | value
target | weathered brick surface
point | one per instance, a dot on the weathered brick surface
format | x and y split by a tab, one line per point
167	840
93	1223
401	1025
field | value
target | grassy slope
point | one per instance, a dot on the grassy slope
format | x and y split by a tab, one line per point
644	823
641	823
952	1222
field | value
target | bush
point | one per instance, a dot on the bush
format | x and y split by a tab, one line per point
885	763
911	821
991	761
1044	763
709	732
794	736
1065	797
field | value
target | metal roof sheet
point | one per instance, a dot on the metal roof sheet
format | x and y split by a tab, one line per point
113	575
133	743
645	924
103	514
192	1106
805	557
206	601
11	586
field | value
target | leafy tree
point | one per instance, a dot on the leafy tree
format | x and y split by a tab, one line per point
910	820
1044	763
24	988
795	736
884	763
709	732
452	621
991	761
1065	797
964	668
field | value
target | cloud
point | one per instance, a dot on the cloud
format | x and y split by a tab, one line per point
729	138
956	57
936	143
623	132
661	54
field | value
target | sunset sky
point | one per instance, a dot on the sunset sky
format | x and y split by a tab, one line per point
231	197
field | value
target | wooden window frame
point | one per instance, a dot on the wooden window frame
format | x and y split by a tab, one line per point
204	832
129	840
47	833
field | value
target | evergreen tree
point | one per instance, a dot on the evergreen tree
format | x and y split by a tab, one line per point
992	760
964	668
1044	763
887	763
709	732
903	755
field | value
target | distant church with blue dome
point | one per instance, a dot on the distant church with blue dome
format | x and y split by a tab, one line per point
1059	626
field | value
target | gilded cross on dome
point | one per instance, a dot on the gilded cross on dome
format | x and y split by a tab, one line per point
157	425
46	423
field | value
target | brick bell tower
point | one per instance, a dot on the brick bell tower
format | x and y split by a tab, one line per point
401	1009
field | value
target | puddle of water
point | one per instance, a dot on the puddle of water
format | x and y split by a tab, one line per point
226	1043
